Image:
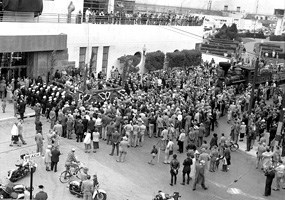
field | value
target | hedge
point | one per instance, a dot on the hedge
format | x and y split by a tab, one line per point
277	37
252	35
192	57
184	58
154	61
175	59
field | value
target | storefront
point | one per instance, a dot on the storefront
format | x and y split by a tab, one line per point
13	65
30	56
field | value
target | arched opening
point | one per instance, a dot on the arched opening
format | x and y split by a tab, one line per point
138	54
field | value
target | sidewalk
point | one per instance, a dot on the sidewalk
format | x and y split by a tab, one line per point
9	112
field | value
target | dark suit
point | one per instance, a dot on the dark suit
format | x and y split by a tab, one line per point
22	108
55	153
79	131
115	142
187	169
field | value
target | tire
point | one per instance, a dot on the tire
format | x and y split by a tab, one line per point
65	176
234	147
79	171
100	196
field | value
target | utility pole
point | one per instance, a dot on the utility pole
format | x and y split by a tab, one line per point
253	85
255	21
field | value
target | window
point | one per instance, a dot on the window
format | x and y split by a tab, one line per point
82	55
105	60
226	8
238	9
94	60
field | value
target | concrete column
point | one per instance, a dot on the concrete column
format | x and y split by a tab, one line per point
111	6
99	59
279	26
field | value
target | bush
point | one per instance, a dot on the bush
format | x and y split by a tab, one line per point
175	59
252	35
154	61
228	33
277	37
184	58
192	57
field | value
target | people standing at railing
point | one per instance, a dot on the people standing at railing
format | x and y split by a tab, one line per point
87	15
79	17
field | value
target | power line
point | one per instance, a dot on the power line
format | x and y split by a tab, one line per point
187	32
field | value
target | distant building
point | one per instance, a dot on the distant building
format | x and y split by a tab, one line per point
264	7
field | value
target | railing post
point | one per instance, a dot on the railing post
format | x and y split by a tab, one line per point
58	18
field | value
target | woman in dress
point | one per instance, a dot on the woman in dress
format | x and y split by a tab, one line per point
48	157
9	93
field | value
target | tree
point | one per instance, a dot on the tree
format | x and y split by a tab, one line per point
175	59
192	57
154	61
232	32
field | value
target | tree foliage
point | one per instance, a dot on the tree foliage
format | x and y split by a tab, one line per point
192	57
154	61
175	59
228	33
184	58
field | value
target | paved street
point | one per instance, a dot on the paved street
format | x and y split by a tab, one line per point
135	179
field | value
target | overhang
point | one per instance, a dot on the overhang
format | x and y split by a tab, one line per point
32	43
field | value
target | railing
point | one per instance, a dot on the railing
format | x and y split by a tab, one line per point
6	16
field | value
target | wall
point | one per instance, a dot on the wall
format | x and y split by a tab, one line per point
249	6
208	57
122	39
60	6
219	21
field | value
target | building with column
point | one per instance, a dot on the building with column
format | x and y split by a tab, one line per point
35	46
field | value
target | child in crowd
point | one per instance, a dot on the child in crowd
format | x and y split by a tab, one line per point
3	105
153	153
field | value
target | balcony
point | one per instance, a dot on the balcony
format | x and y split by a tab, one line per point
128	19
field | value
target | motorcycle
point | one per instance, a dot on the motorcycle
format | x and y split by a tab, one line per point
75	189
162	196
12	191
23	170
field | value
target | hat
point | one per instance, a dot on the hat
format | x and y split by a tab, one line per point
125	138
41	186
73	149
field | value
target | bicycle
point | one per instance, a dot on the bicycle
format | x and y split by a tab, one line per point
233	146
66	175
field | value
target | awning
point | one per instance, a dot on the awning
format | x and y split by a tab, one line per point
32	43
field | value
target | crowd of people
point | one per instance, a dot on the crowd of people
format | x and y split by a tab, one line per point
139	18
180	106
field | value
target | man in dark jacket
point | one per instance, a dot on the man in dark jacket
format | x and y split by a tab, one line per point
187	168
39	126
41	195
22	108
79	131
55	153
115	142
174	167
